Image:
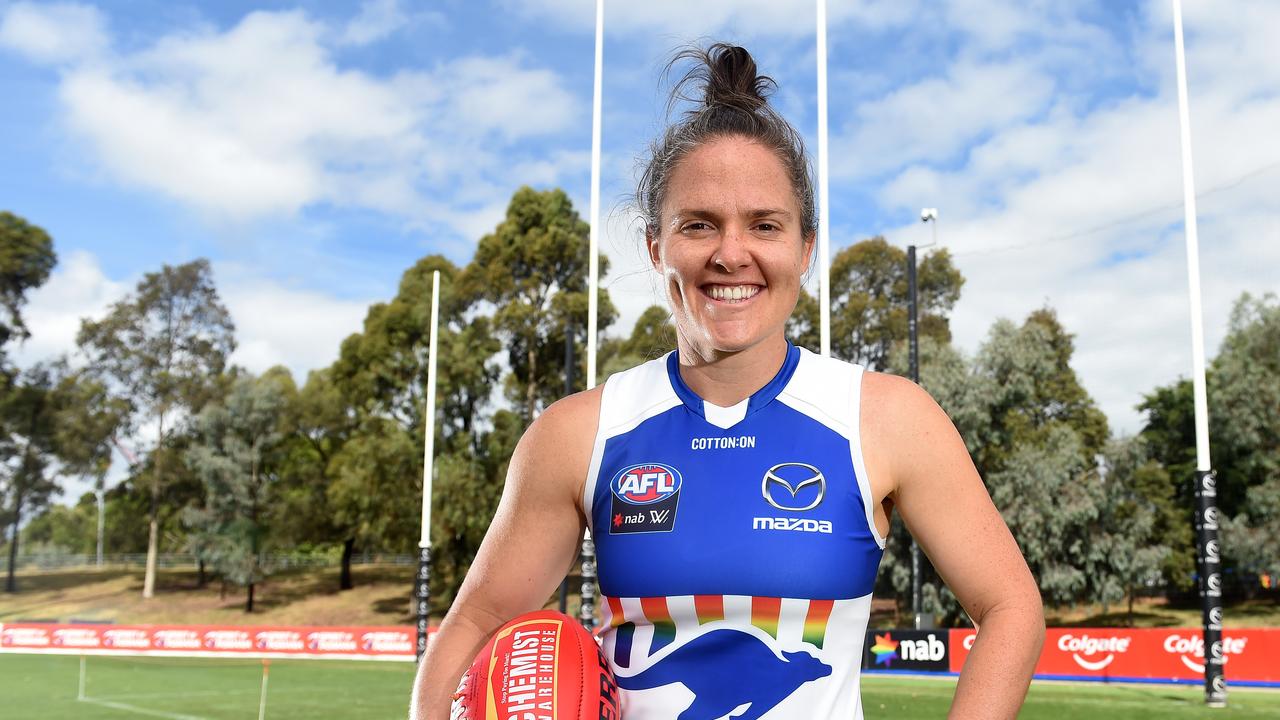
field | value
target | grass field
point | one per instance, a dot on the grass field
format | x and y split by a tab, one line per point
45	686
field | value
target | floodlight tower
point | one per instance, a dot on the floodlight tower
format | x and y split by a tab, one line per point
927	215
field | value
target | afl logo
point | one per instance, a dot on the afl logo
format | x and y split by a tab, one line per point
646	484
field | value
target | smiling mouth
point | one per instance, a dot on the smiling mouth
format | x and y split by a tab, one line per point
731	293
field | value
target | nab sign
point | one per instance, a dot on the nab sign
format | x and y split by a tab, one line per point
907	650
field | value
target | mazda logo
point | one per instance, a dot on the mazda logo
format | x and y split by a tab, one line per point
795	481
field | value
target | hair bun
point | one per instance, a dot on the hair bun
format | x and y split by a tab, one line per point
732	79
722	76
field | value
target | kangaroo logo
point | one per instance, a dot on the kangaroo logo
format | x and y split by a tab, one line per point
755	675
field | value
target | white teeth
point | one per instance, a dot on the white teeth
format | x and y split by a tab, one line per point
735	293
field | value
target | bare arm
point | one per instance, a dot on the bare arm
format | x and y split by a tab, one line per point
934	485
527	550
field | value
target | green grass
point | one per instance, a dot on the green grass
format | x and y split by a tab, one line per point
902	698
45	686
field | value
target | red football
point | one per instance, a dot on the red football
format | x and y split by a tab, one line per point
542	665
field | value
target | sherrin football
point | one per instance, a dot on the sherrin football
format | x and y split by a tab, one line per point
541	665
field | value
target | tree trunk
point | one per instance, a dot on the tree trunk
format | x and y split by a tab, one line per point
153	542
153	537
248	605
344	579
531	393
200	578
1130	606
11	582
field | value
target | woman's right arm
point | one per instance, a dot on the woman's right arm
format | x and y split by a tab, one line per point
528	549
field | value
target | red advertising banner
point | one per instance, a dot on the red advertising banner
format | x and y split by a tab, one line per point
364	643
1166	654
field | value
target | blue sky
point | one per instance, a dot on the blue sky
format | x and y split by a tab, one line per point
314	150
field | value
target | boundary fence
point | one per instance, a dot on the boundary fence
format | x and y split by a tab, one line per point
279	561
1149	655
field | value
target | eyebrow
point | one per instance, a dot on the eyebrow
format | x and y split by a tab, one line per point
756	213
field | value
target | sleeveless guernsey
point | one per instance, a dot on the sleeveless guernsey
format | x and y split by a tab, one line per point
736	547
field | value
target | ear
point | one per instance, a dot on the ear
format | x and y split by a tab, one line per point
810	241
651	244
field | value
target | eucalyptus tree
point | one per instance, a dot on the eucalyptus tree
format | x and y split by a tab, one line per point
161	350
236	455
27	477
26	259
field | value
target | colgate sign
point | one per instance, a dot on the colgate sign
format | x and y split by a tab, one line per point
1193	646
1144	654
1084	646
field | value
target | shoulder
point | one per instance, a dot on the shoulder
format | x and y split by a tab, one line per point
900	421
895	408
893	396
568	422
554	454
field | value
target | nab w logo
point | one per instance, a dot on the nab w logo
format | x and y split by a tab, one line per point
645	499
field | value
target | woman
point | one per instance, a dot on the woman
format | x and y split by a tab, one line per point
739	490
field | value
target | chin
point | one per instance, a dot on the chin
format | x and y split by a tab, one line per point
733	340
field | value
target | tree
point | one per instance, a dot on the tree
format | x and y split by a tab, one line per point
380	377
869	302
533	269
322	422
1034	434
652	336
235	455
88	419
160	350
28	414
1135	505
1244	428
26	259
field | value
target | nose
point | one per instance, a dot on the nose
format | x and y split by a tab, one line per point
731	255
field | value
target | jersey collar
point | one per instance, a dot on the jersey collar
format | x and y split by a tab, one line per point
723	417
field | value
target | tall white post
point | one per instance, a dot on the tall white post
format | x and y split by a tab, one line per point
1193	251
587	593
1209	557
422	585
593	262
824	209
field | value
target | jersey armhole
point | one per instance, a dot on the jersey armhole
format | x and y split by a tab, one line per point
593	468
855	446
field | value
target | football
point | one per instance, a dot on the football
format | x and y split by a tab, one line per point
541	665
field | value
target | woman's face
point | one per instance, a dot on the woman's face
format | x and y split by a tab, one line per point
730	249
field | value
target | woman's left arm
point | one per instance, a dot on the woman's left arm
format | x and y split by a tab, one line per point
935	487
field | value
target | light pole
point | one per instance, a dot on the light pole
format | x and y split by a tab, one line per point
927	215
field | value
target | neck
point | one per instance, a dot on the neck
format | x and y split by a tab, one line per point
728	378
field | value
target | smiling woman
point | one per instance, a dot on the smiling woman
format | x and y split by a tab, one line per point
739	490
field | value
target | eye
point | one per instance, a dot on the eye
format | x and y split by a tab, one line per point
768	226
695	226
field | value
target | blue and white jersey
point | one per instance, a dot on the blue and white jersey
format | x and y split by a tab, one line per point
737	548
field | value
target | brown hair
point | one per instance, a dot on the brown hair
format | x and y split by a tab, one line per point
729	99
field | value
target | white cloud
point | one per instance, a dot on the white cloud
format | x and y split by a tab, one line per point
261	119
903	126
275	324
54	32
1079	206
377	20
278	325
676	17
76	289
